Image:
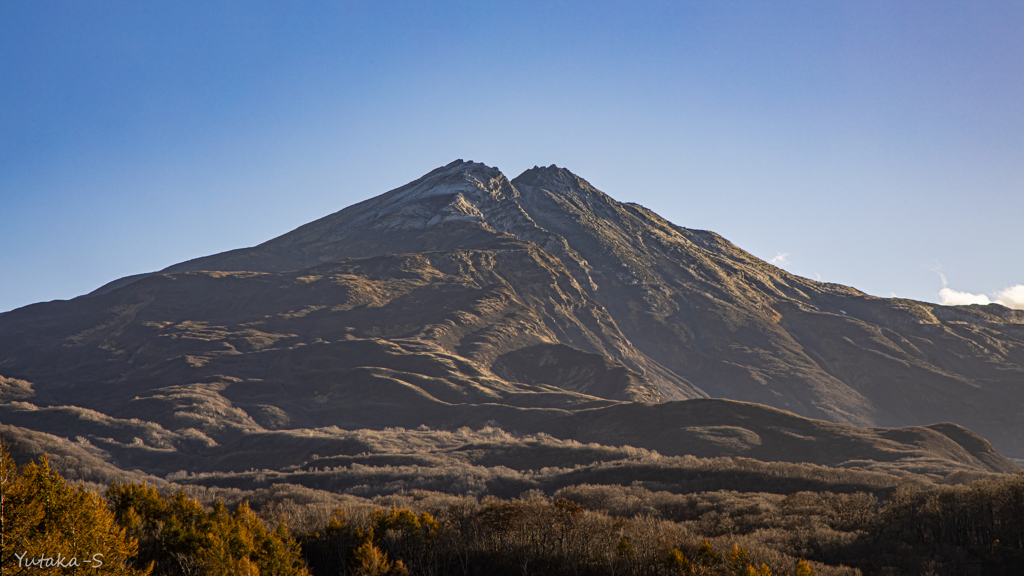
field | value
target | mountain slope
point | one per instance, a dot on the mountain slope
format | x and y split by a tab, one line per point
464	294
741	328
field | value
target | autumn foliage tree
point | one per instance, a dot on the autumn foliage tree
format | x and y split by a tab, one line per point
179	536
48	526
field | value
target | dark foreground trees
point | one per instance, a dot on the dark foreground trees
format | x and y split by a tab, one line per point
580	530
50	527
531	536
975	529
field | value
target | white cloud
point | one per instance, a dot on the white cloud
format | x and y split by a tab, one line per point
780	259
950	297
1012	297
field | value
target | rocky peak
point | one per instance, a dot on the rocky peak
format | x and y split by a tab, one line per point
557	180
540	175
468	178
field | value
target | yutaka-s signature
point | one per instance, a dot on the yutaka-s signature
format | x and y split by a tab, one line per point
59	561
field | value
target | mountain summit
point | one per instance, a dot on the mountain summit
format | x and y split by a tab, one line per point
527	300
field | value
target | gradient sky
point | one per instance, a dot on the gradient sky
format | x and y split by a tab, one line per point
874	144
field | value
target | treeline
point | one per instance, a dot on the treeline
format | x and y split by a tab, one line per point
489	461
975	529
534	536
136	530
580	530
376	475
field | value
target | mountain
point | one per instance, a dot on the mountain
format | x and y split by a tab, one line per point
738	327
536	305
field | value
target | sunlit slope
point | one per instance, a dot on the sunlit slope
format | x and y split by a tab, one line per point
464	297
740	328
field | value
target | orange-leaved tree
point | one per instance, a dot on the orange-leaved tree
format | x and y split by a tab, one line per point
48	526
181	537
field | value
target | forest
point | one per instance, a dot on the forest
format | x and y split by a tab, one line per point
51	525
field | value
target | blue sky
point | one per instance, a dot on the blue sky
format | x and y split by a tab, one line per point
875	144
